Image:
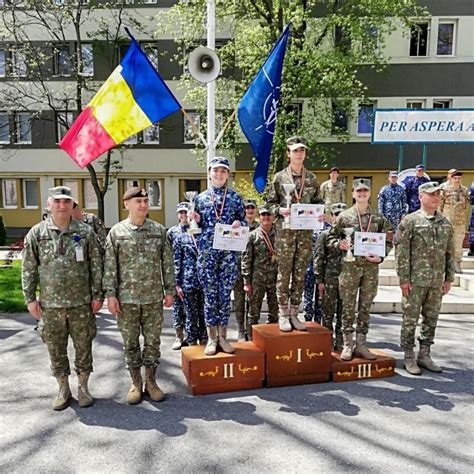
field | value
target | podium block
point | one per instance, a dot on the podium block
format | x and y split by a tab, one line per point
296	357
361	369
243	370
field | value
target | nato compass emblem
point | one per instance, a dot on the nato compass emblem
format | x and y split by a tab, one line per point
270	106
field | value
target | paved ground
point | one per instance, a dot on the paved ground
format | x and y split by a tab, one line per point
405	423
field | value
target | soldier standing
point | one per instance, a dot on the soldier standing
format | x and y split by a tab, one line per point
63	255
259	269
471	224
425	268
239	293
293	247
359	276
138	273
92	220
333	190
179	316
217	269
454	204
392	201
411	188
327	268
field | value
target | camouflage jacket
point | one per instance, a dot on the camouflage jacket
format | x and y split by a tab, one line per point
138	266
327	260
97	226
174	231
454	203
257	264
253	226
332	193
185	257
349	218
424	250
50	259
276	195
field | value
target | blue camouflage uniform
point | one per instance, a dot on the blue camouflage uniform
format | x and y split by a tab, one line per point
411	191
185	253
217	269
179	318
392	202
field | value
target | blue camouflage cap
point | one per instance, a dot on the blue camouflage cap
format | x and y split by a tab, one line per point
219	161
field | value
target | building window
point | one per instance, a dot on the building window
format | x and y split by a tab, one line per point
370	39
131	183
446	36
192	185
342	38
64	121
30	193
122	51
294	114
419	39
340	118
3	64
153	188
150	2
87	60
4	128
365	119
71	183
416	104
151	135
9	193
133	140
90	197
189	135
442	104
151	50
62	65
18	63
23	128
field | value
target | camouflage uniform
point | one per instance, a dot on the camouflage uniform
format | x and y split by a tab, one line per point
293	247
186	276
97	226
332	193
454	203
411	190
471	224
67	287
392	202
359	276
327	268
217	269
424	258
138	271
260	271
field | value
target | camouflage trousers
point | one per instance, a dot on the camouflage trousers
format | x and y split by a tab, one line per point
294	250
459	233
146	319
239	299
256	300
179	318
194	310
311	302
55	327
332	306
359	278
426	301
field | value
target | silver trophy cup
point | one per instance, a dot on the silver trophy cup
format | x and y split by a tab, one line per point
348	231
288	188
193	226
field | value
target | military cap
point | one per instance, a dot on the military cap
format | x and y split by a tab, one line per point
451	171
182	206
263	210
360	184
420	167
219	161
338	207
294	143
60	192
250	202
455	173
135	192
393	173
334	168
430	187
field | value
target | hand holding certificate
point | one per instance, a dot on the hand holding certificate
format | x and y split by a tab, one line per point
306	216
369	243
228	238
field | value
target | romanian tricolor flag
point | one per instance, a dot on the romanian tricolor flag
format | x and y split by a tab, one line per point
133	98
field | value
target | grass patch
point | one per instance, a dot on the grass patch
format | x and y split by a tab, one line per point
11	296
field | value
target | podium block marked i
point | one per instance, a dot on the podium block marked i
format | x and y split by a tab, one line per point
243	370
296	357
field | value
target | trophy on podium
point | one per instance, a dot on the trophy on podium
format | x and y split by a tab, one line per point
193	226
348	231
288	188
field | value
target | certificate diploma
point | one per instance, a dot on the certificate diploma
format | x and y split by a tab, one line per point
305	216
372	243
228	238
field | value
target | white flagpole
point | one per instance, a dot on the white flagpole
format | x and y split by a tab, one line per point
211	86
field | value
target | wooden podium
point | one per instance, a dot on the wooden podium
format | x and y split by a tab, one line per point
243	370
296	357
360	369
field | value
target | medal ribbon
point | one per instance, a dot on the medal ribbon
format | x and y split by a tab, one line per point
360	222
268	242
194	241
290	174
219	213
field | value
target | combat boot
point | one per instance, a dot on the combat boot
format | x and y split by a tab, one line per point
178	342
424	360
240	332
223	343
134	395
284	319
338	343
64	395
154	392
83	395
211	346
410	364
361	348
295	322
457	267
348	347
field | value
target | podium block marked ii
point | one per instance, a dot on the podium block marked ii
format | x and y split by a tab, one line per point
294	358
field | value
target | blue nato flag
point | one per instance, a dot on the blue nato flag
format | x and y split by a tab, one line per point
257	111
